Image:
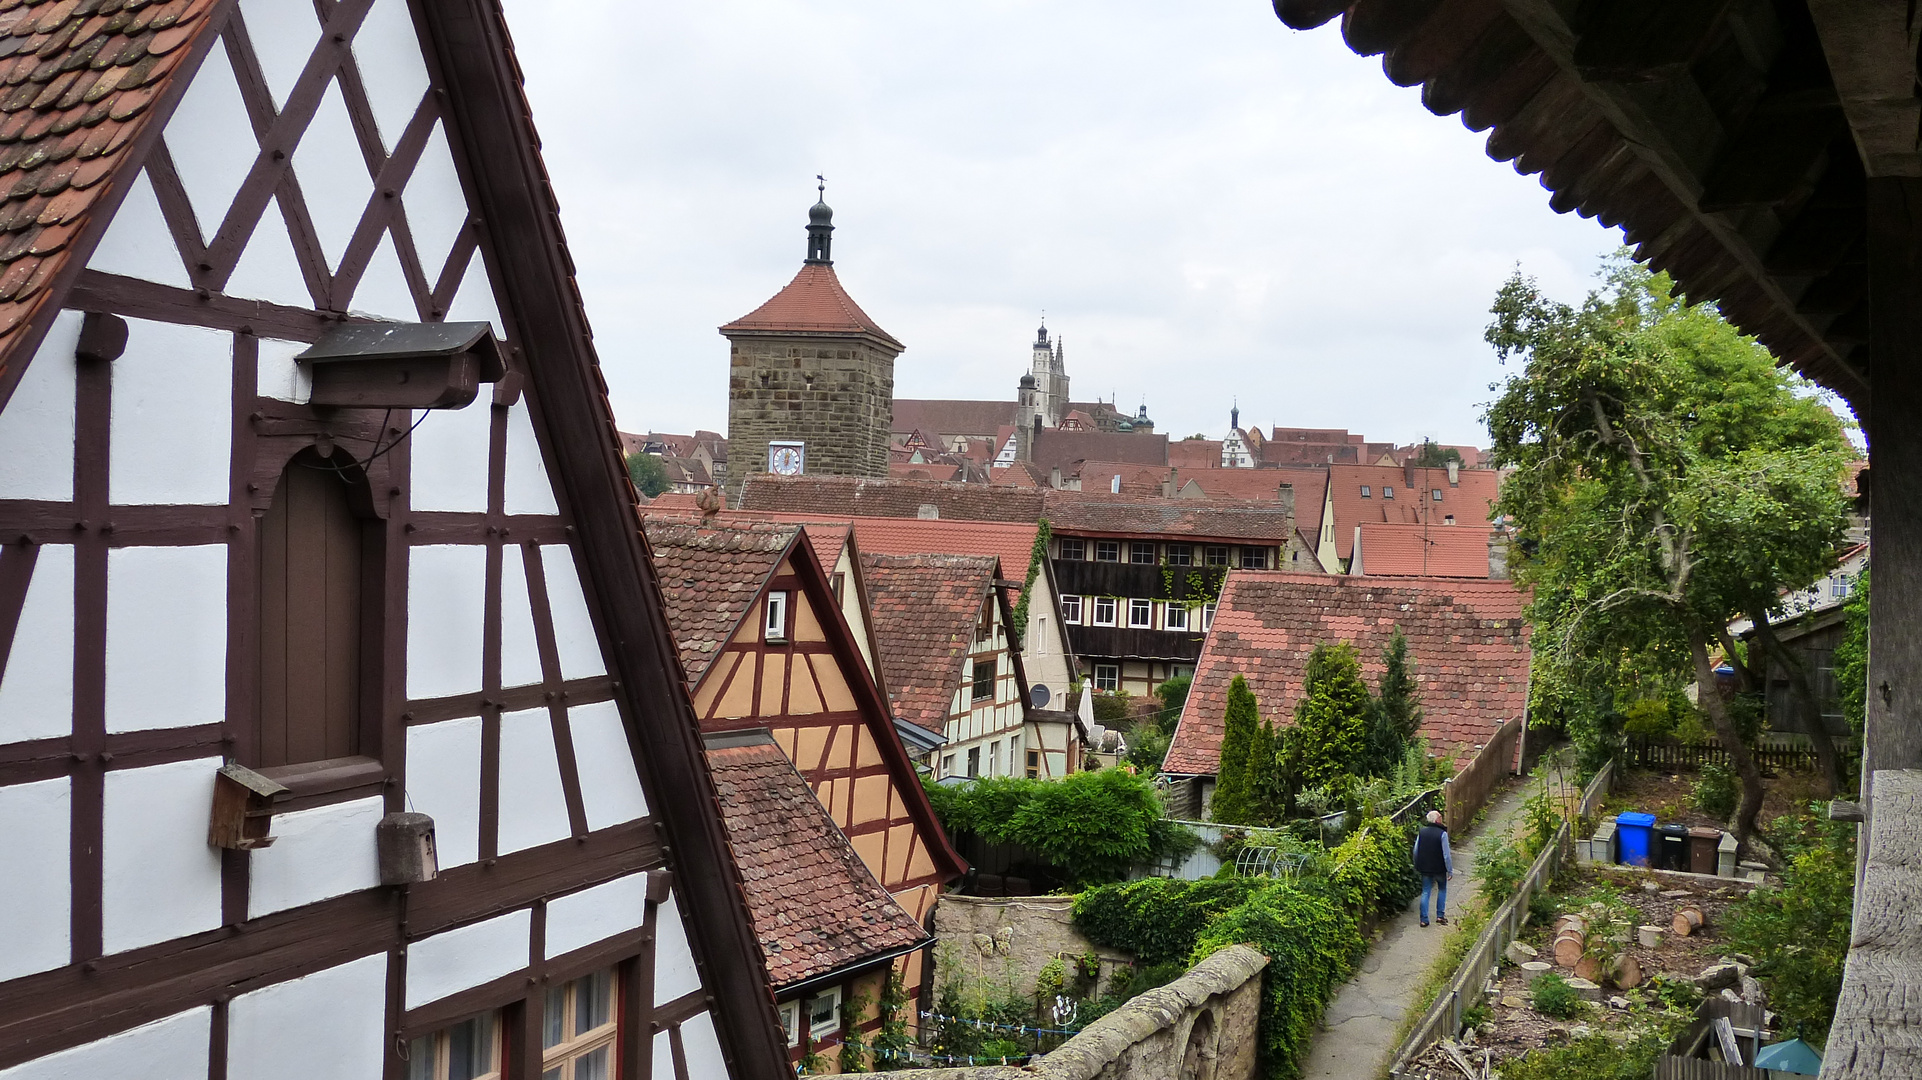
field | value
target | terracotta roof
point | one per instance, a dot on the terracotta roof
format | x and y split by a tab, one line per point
1470	502
1053	446
1467	641
925	609
816	907
926	471
81	80
839	497
1085	513
827	538
1309	454
1020	474
1011	542
1261	485
1194	453
813	303
950	417
1424	550
710	574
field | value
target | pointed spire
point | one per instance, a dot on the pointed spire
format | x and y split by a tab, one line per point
820	227
1234	417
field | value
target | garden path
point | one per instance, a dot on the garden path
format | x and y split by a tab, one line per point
1361	1026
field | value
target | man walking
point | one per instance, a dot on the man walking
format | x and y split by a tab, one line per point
1436	864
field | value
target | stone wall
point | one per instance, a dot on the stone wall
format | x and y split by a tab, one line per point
1202	1026
834	393
1003	943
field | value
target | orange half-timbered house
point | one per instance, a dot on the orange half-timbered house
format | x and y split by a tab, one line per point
341	734
764	645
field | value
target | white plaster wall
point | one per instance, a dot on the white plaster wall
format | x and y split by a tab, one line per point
318	853
391	67
333	175
446	589
330	1025
383	292
474	300
36	688
443	782
702	1047
278	376
574	637
138	243
449	456
36	429
283	36
526	490
166	637
520	650
580	919
268	269
211	141
533	807
161	880
610	785
663	1054
172	415
35	890
456	960
436	206
674	972
171	1049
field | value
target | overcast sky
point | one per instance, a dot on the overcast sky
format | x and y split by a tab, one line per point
1208	205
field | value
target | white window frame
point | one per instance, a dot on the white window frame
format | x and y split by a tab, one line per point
1074	549
1387	491
1071	610
1227	554
1176	617
774	618
1180	554
1135	552
1207	617
1110	601
1252	558
1436	494
1145	609
573	1047
1365	493
1107	677
791	1022
994	757
821	1029
1113	546
947	765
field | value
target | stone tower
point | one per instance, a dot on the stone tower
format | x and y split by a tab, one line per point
810	376
1050	379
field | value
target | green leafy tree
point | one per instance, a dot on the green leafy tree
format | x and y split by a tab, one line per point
1799	933
1852	655
1325	746
1396	713
1667	479
1432	456
1234	801
647	472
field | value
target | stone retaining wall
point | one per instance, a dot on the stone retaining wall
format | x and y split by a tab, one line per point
1202	1026
1004	942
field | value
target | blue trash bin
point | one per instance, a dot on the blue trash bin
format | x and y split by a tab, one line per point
1633	834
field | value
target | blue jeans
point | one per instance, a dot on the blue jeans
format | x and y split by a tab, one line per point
1439	883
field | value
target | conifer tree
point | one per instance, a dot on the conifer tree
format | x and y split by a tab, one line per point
1241	741
1396	712
1330	735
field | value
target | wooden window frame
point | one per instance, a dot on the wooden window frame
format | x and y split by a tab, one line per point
1113	547
1073	549
980	689
1034	764
442	1038
1136	550
1254	558
1113	677
776	617
1180	554
1217	554
974	761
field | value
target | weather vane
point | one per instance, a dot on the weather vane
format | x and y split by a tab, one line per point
821	187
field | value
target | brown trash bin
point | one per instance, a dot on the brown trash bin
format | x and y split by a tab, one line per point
1704	847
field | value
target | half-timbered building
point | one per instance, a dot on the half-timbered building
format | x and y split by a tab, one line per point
765	647
341	735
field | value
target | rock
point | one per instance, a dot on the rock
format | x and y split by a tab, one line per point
1536	967
1585	989
1675	894
1004	939
1731	996
1618	1003
1752	991
1518	953
1557	1033
1717	976
1651	887
1580	1031
1742	958
1514	1001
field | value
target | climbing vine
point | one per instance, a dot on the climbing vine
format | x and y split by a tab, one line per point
1039	552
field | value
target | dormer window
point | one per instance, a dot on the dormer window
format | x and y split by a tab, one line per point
774	619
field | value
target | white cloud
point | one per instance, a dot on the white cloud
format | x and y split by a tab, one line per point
1207	204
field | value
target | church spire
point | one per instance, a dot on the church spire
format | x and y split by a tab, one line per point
820	227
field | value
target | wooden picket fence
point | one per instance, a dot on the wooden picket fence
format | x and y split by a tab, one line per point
1646	753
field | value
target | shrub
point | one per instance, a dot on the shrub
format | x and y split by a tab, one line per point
1799	933
1158	919
1093	826
1717	791
1243	754
1309	941
1112	707
1554	997
1375	869
1595	1057
1500	867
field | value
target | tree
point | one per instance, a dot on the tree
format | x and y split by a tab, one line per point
1395	715
1149	739
1325	747
1668	479
647	472
1852	655
1432	456
1234	801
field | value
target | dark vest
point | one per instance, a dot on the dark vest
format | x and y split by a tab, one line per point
1428	851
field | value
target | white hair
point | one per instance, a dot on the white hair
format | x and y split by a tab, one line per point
1434	817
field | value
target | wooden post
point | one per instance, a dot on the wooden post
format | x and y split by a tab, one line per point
1893	735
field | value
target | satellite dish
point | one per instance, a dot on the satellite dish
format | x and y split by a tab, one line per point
1040	696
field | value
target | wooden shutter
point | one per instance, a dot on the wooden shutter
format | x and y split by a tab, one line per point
310	618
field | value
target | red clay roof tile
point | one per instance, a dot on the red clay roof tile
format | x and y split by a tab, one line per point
813	303
925	609
1396	550
710	574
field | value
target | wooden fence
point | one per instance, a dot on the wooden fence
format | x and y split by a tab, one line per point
1465	794
1444	1018
1644	753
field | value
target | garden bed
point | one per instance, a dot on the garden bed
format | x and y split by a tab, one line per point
1670	797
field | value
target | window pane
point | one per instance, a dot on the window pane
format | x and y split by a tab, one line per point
420	1058
552	1074
554	1017
593	1066
470	1048
593	1001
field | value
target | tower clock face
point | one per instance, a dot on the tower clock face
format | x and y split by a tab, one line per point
786	459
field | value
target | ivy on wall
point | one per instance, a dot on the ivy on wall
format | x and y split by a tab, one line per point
1035	555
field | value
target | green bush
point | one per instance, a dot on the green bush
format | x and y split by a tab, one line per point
1595	1057
1799	933
1093	826
1500	866
1375	868
1717	791
1158	919
1112	707
1554	997
1310	943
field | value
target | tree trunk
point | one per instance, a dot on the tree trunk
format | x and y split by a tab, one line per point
1827	759
1710	699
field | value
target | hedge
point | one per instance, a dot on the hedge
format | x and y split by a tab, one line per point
1094	826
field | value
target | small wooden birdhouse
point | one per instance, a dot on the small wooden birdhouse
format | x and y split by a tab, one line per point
243	809
406	843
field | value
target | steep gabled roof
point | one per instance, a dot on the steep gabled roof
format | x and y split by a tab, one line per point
813	303
1466	641
1470	501
1424	550
816	907
925	610
1053	446
710	577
